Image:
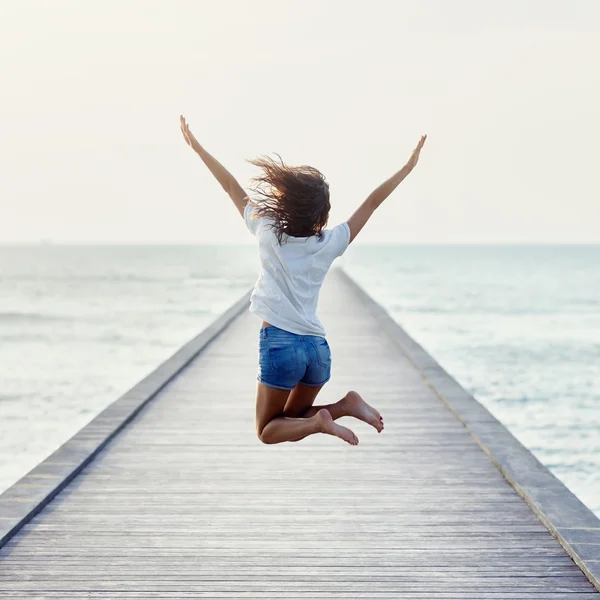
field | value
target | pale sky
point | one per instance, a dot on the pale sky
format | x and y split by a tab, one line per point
508	93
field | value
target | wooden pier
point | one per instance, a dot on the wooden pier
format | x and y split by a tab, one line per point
169	494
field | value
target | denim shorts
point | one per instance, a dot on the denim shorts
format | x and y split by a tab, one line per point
286	359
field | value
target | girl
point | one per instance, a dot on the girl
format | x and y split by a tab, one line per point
288	216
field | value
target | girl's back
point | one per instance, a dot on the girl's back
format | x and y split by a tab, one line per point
292	272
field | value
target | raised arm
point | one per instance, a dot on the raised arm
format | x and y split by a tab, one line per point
357	221
222	175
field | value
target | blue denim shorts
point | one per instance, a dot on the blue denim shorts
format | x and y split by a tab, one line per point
286	359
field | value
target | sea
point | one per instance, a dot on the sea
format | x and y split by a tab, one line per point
517	325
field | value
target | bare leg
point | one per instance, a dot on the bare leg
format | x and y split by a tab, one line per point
351	405
286	429
301	399
273	427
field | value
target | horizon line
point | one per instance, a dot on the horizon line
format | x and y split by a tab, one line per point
46	243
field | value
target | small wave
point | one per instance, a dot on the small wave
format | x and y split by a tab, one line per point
11	397
216	282
28	317
80	279
460	310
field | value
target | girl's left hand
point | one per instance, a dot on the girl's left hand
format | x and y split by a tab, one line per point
414	158
191	141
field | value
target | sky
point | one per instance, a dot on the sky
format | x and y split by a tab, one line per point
507	92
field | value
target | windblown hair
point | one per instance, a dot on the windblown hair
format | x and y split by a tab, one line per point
295	198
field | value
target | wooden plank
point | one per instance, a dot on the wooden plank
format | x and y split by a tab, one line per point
22	501
564	515
186	503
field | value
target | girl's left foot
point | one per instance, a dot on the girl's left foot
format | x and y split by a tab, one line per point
355	406
326	424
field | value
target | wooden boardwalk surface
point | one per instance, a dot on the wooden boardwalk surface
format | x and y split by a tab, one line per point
187	503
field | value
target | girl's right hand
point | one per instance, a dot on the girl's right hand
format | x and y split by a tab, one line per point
191	141
414	157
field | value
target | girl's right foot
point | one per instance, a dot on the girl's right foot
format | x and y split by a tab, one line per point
355	406
327	425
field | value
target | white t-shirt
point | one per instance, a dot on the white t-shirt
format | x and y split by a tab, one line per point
292	273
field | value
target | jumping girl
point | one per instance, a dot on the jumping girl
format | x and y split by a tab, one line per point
288	215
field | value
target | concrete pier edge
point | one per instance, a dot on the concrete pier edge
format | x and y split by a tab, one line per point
23	500
562	513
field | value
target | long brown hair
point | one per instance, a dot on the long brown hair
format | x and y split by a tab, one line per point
295	198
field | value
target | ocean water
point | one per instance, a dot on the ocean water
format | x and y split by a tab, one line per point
79	326
518	326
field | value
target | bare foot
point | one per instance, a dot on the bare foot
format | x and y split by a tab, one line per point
327	425
356	407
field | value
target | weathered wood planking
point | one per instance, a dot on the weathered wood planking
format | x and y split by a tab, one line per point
186	503
30	494
565	516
